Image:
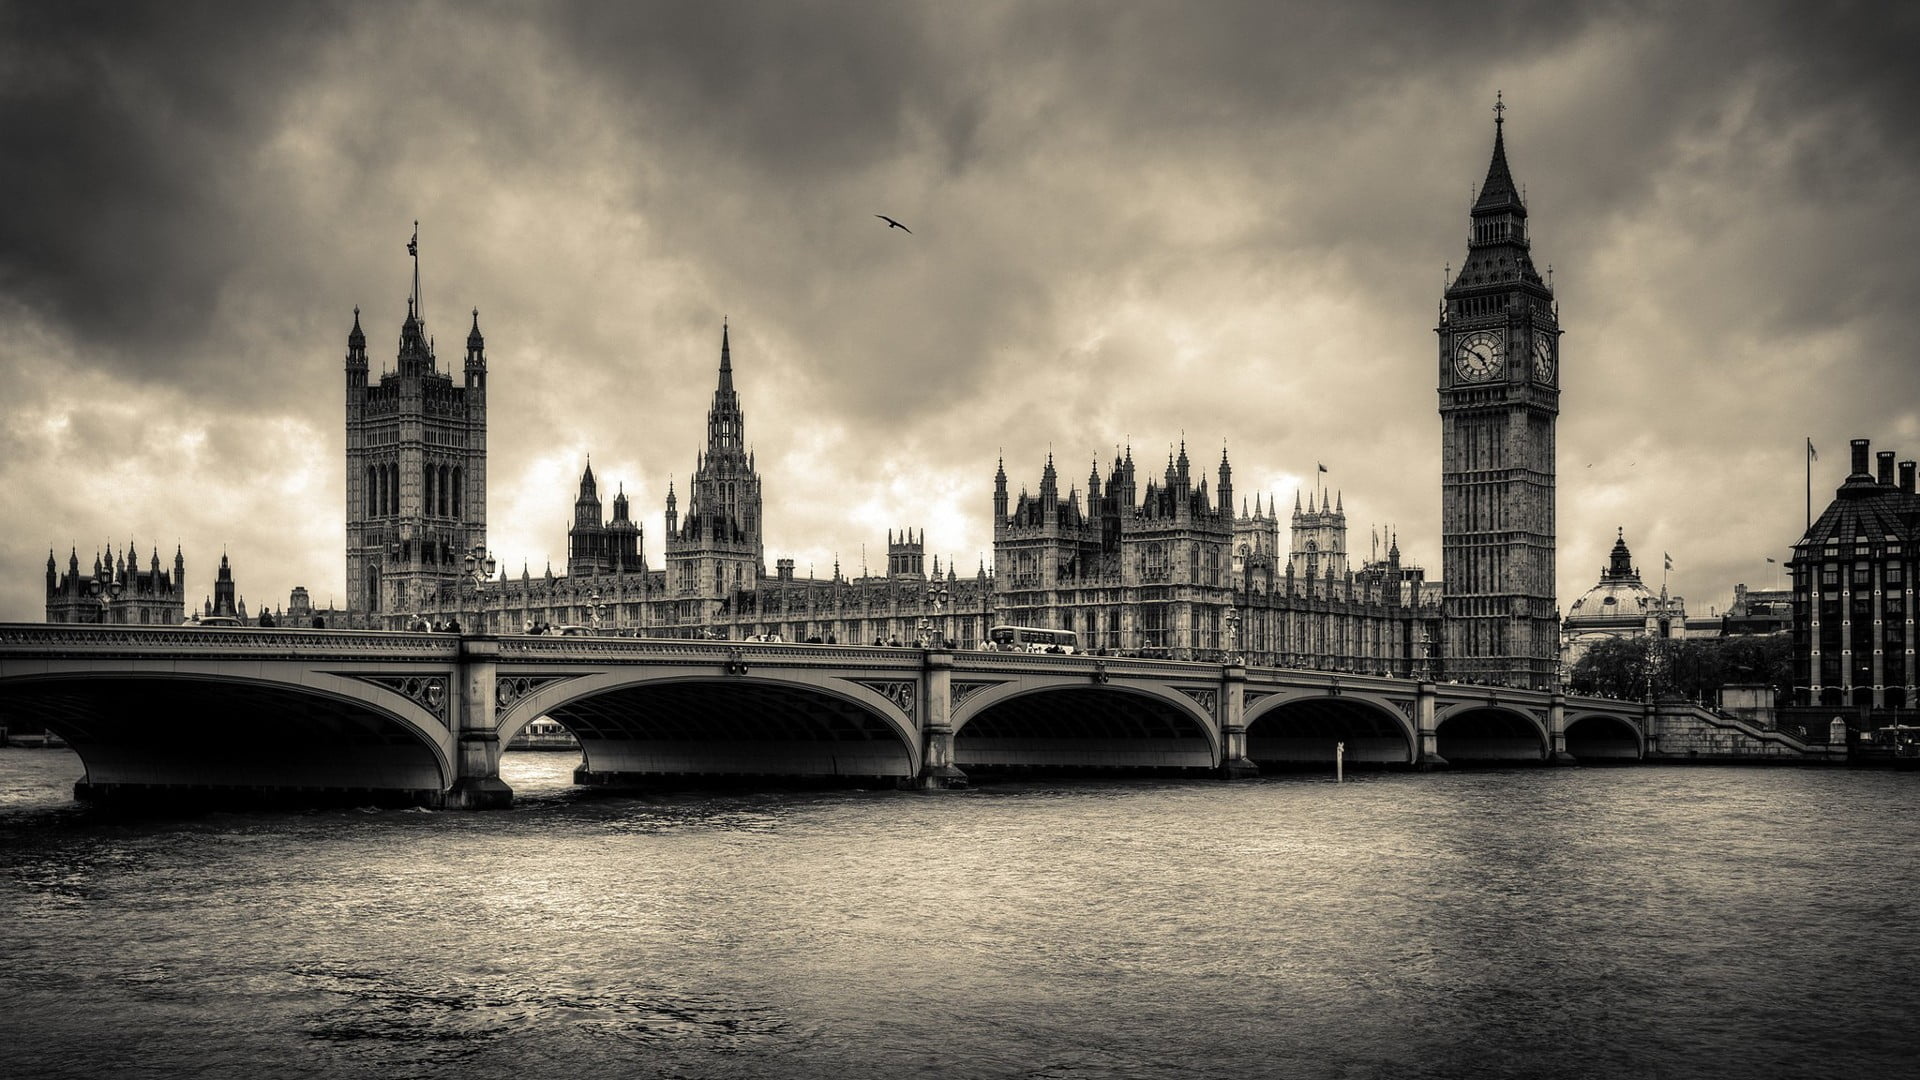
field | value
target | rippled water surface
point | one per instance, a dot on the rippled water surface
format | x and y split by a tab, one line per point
1575	922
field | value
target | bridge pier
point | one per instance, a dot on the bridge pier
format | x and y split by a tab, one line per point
937	769
1234	762
477	784
1557	729
1427	755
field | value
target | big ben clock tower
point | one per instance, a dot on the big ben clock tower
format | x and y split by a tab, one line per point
1499	395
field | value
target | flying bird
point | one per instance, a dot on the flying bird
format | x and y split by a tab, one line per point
892	224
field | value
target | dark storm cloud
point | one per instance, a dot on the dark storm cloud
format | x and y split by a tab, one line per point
126	131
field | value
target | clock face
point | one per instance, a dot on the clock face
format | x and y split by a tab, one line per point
1543	358
1479	356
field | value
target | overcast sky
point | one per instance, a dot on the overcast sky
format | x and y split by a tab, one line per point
1131	222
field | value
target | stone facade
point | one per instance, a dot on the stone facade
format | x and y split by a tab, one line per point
1170	571
1165	571
416	470
118	591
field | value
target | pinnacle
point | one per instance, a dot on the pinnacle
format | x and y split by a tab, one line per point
1498	191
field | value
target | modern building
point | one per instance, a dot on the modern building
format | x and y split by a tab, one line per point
1499	347
1620	605
1853	572
1756	612
118	591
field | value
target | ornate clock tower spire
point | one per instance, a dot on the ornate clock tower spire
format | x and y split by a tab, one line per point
1499	397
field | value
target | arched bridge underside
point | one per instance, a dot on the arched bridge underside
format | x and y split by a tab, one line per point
1601	739
1306	734
1491	735
637	735
188	739
1083	729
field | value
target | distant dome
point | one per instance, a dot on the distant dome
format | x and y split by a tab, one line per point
1615	598
1619	598
1619	606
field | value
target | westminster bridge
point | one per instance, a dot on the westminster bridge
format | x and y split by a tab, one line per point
214	713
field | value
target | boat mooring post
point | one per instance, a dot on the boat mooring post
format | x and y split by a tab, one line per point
1339	762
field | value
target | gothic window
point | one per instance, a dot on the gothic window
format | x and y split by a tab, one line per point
369	498
456	491
426	486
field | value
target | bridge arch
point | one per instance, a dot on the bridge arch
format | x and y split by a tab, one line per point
1300	730
1478	733
1604	737
186	734
1077	724
637	727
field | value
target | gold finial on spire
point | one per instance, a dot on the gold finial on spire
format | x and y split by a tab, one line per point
1499	109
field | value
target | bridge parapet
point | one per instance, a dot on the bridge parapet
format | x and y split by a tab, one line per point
67	639
599	649
1004	663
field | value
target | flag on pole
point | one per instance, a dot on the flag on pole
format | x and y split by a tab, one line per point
1669	560
413	245
1812	454
1773	561
1323	468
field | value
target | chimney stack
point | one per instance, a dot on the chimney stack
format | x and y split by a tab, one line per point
1860	448
1906	477
1885	461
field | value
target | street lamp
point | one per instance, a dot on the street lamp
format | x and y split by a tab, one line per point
477	567
1653	659
593	610
106	590
937	595
1233	635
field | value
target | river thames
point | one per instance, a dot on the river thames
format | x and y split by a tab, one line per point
1636	922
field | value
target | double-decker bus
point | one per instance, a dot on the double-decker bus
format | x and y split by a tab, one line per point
1031	639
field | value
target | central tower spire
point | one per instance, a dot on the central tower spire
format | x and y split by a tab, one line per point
714	550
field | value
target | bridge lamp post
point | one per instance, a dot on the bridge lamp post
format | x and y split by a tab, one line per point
937	595
593	610
1233	635
106	590
478	567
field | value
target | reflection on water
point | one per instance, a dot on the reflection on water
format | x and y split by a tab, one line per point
1627	922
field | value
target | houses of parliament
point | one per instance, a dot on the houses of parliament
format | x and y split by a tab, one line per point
1144	561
